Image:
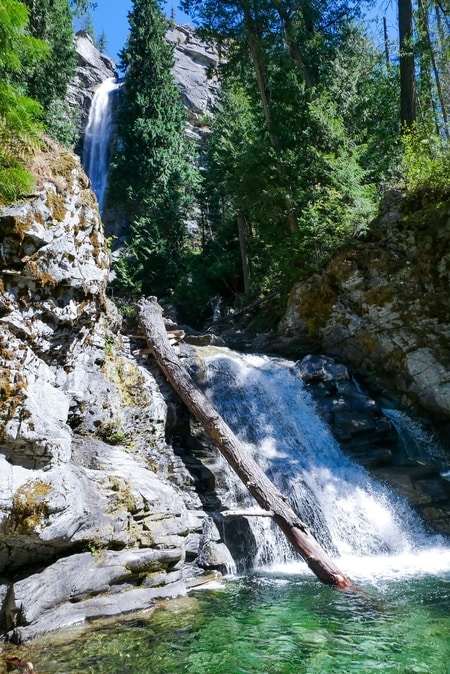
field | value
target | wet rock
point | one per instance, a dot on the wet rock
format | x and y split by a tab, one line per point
93	68
213	553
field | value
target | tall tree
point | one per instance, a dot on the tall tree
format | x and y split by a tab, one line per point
151	176
51	21
408	101
19	115
278	152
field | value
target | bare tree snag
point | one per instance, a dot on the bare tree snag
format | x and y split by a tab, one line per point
257	483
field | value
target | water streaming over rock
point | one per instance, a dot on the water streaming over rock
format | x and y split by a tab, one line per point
97	139
265	403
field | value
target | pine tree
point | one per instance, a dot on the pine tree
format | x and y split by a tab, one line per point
150	173
51	21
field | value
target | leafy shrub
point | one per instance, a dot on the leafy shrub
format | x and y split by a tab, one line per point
425	162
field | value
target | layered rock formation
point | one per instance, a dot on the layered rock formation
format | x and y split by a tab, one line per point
383	305
92	499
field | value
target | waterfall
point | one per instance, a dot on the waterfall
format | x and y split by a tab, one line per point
97	138
416	441
265	403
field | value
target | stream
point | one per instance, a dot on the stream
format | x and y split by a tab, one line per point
277	618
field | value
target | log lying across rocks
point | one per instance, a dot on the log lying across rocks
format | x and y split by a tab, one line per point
257	483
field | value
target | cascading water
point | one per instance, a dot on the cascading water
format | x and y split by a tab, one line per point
263	400
279	618
416	441
98	137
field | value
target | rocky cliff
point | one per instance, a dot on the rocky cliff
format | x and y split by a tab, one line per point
93	68
193	72
102	507
93	500
383	304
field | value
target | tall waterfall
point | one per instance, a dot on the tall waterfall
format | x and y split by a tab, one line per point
97	138
263	400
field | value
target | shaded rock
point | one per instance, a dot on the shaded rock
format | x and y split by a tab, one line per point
383	304
213	553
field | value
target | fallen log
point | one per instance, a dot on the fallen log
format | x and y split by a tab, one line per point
258	484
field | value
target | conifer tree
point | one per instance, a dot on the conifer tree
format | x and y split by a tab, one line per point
51	20
150	173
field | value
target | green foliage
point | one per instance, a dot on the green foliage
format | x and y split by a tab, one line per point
61	122
425	162
101	42
80	7
51	21
20	124
151	177
319	162
14	182
361	84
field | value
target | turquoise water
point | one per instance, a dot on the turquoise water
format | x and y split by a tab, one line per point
274	624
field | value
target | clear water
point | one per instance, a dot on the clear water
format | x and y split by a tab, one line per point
274	624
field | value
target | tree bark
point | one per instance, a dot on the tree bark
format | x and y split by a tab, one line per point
408	100
257	483
243	248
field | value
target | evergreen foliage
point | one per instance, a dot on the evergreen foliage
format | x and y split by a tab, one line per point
20	124
281	147
151	177
425	162
46	82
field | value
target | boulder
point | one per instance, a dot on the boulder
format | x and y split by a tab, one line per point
383	305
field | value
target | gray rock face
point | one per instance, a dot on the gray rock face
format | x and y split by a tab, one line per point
84	462
94	584
193	72
384	306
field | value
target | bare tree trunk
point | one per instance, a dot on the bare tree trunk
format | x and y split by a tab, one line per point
254	44
257	483
243	248
386	43
425	28
292	41
407	76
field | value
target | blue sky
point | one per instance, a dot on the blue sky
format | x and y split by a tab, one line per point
110	17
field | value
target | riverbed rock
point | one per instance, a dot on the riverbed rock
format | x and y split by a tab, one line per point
366	432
